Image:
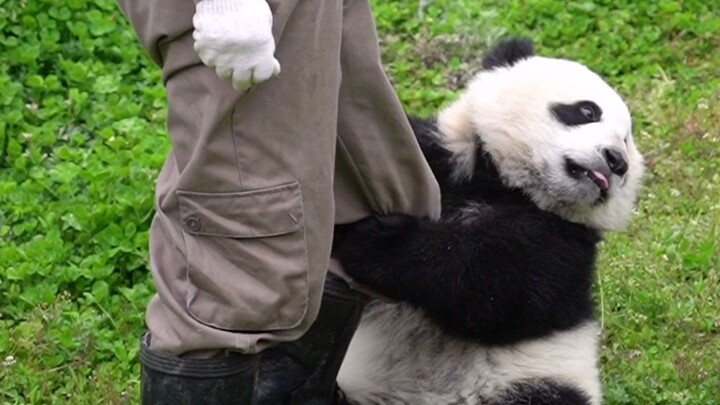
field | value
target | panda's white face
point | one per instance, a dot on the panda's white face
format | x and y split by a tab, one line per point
556	130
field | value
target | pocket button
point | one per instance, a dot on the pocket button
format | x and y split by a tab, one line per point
192	224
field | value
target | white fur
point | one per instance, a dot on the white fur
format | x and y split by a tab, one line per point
398	356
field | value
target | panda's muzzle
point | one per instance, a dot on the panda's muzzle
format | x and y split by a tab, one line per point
616	160
598	173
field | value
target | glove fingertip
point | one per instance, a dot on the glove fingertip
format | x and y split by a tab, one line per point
223	73
241	86
241	90
207	61
276	67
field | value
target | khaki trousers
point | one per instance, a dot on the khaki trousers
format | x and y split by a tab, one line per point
248	197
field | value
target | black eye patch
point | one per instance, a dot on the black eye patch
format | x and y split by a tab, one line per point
580	113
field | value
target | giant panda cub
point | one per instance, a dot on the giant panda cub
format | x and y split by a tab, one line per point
491	303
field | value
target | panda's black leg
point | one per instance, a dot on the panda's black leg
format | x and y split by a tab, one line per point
542	393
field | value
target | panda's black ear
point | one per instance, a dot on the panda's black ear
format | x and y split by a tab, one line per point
508	53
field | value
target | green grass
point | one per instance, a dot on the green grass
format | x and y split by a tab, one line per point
82	138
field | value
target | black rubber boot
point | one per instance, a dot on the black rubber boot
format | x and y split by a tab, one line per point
303	372
170	380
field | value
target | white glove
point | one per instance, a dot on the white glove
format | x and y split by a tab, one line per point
235	37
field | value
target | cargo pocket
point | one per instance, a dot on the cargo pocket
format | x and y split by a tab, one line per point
247	259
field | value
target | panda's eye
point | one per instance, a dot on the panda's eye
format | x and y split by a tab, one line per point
590	112
579	113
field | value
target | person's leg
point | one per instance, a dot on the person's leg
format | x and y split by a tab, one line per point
379	169
241	238
224	242
240	242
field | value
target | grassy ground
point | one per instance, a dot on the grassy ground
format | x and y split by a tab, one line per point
82	108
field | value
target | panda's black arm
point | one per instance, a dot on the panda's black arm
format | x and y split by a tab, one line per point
505	277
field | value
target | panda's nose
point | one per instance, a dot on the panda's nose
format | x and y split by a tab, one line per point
616	161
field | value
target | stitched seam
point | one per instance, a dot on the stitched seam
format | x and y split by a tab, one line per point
236	152
235	194
364	184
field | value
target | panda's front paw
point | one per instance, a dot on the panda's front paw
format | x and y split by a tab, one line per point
380	226
369	247
373	230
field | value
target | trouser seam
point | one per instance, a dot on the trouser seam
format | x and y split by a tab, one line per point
234	143
364	183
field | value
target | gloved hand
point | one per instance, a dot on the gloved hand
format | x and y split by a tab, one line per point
235	37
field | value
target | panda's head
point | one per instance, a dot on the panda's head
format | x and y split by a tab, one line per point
554	129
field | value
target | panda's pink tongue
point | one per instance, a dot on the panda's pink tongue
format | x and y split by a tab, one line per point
599	179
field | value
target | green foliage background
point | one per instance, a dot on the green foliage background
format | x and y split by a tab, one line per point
82	138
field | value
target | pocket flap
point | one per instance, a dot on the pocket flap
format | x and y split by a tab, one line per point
246	214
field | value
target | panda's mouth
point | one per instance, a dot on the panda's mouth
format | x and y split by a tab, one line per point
578	171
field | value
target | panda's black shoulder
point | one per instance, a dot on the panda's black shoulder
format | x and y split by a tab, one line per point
437	156
425	130
483	185
423	126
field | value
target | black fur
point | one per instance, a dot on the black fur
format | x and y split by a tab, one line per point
503	273
508	53
542	393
